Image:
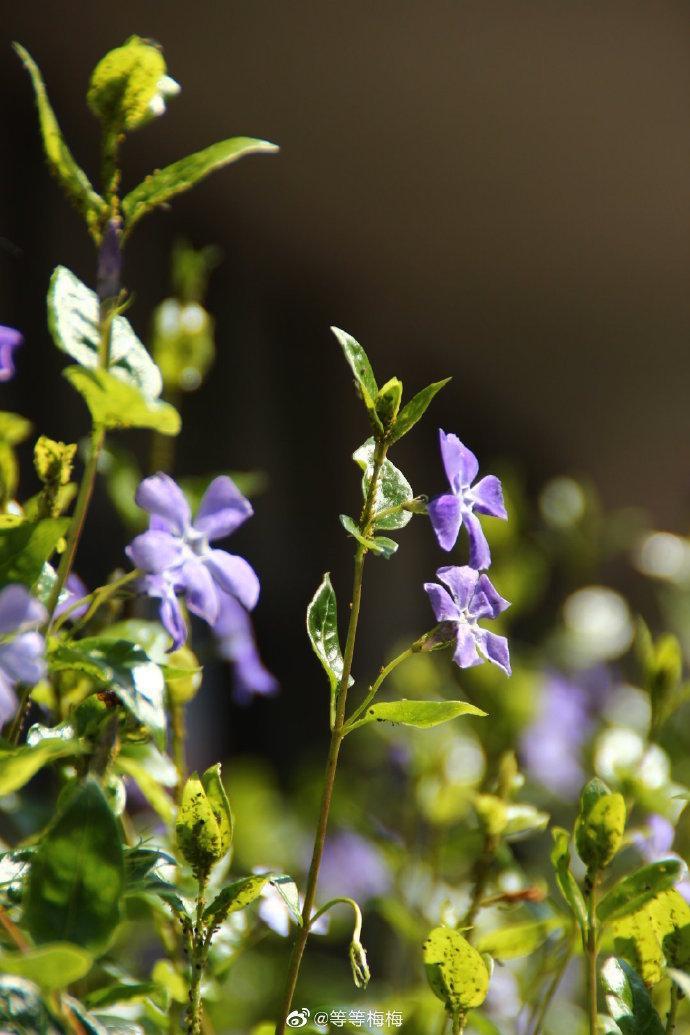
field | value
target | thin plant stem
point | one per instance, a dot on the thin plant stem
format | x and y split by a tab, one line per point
671	1017
337	735
540	1016
95	600
198	961
178	734
17	725
591	953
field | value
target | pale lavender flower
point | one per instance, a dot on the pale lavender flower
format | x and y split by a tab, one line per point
74	590
352	866
552	745
176	556
656	843
21	647
462	504
237	644
10	339
471	598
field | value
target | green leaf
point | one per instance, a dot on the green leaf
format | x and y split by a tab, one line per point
656	934
25	548
127	670
388	401
287	889
377	544
600	824
125	83
73	180
392	491
153	772
508	943
415	409
19	764
121	992
51	966
421	714
681	980
73	319
162	185
114	404
628	1000
322	628
633	891
14	428
238	895
456	972
77	874
360	366
568	886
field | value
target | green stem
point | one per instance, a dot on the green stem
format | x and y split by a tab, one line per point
414	648
178	737
15	730
98	597
459	1022
540	1016
198	961
592	999
672	1010
357	931
337	735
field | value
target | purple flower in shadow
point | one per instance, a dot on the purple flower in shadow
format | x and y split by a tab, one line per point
74	590
236	643
21	647
176	556
469	597
656	843
552	745
461	505
9	341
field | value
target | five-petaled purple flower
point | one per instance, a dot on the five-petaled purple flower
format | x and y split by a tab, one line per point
236	643
462	504
9	341
471	598
21	647
176	557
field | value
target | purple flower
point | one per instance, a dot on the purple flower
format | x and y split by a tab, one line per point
21	647
552	745
176	556
236	643
9	341
352	866
657	843
462	504
74	590
471	598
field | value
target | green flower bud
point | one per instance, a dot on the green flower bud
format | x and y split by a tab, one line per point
388	401
129	85
183	675
492	813
361	974
204	821
600	825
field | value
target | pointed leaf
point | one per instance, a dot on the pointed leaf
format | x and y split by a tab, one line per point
414	409
508	943
51	966
61	163
77	874
381	544
393	487
73	318
360	366
25	548
164	184
628	1000
657	934
633	891
236	896
287	889
322	627
114	404
568	886
18	765
421	714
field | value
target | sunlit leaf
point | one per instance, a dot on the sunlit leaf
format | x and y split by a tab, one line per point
360	366
114	404
25	548
50	966
413	410
633	891
393	488
19	764
421	714
628	1000
455	970
507	943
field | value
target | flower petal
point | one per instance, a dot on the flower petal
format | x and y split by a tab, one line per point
200	591
234	575
160	495
22	659
442	604
155	551
236	643
497	603
480	554
445	514
170	611
465	654
19	610
222	509
8	700
9	340
495	648
488	497
460	463
461	581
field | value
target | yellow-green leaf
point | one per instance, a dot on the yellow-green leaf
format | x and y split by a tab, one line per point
114	404
52	966
456	972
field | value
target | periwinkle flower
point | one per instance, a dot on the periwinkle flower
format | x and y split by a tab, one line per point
354	867
460	506
237	644
75	590
21	647
469	597
552	744
176	556
10	339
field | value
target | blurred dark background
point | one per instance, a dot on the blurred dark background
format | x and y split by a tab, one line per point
492	190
